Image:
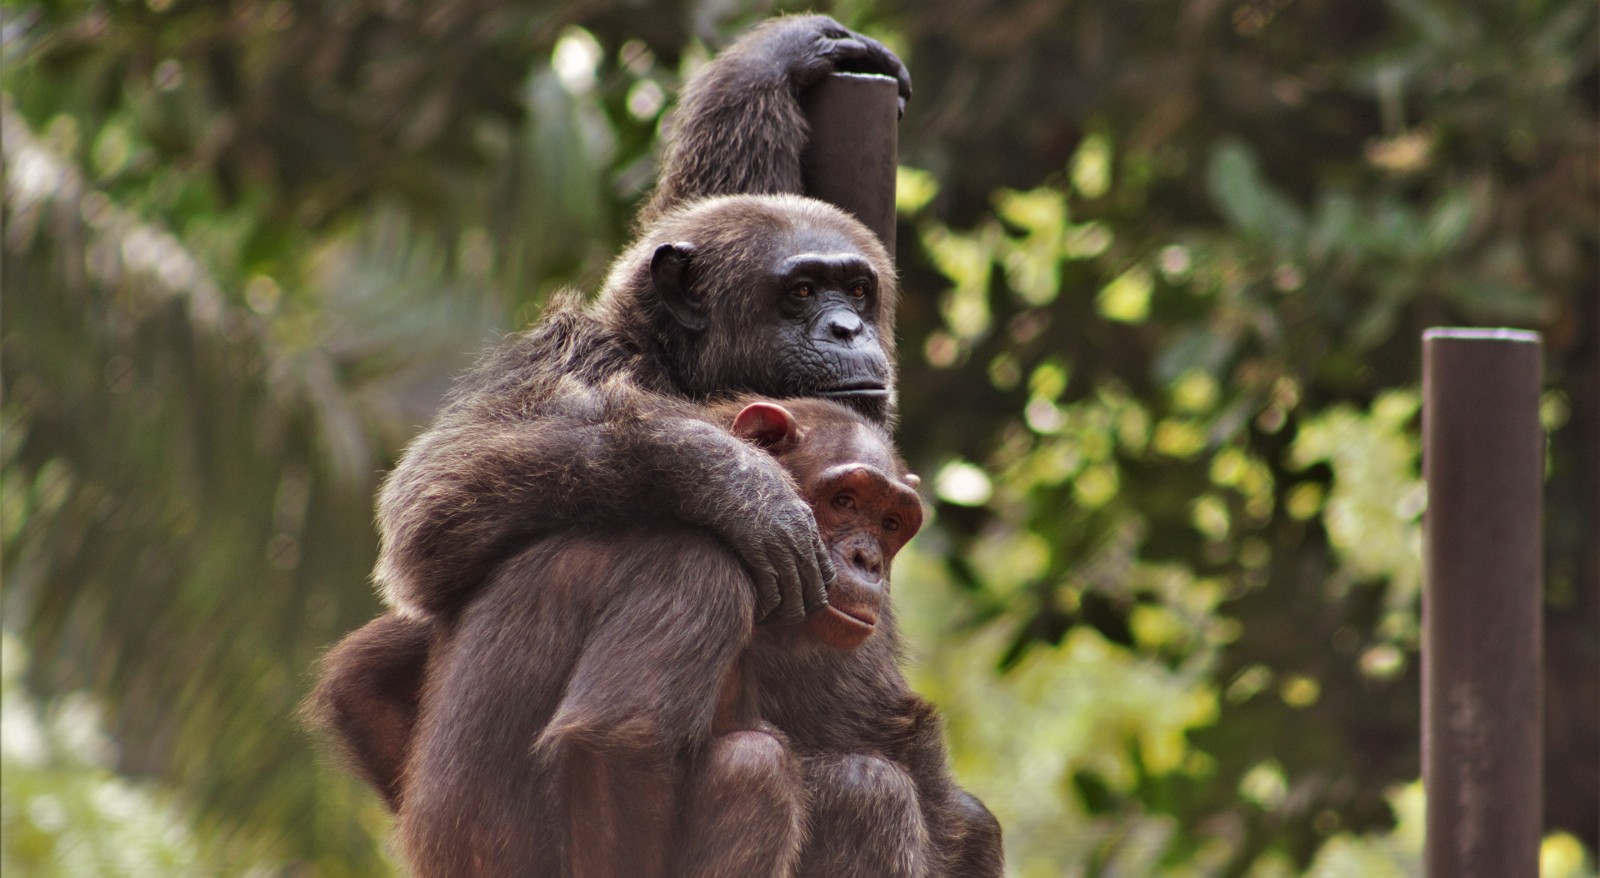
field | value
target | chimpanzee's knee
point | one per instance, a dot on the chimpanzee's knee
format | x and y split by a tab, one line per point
859	801
754	761
746	813
971	839
864	782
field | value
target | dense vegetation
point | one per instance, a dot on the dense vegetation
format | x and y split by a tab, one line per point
1167	267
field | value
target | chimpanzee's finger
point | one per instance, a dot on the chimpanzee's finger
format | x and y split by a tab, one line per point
768	596
791	586
816	596
889	64
859	54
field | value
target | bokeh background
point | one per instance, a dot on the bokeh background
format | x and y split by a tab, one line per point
1167	263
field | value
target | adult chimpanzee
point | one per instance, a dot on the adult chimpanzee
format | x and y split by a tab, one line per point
571	728
769	293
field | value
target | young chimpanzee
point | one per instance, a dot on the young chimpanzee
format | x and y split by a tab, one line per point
823	708
568	729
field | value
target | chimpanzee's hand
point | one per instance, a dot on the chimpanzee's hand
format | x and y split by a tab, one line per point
778	542
740	127
809	47
712	479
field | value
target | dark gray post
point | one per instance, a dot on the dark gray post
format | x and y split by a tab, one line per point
850	159
1483	455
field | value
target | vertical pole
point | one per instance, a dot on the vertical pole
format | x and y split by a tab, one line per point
850	158
1483	455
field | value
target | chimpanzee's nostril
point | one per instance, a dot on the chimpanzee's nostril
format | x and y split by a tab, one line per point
845	326
868	561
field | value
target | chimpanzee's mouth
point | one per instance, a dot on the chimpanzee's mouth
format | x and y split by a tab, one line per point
857	617
863	389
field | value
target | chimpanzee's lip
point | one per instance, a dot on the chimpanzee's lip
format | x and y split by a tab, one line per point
854	617
864	389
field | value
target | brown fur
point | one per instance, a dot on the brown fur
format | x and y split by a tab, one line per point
685	742
575	554
565	425
560	426
758	77
367	697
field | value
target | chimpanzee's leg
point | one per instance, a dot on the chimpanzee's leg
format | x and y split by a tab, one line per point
865	822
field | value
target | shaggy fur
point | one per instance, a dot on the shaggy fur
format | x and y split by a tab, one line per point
569	682
548	432
596	714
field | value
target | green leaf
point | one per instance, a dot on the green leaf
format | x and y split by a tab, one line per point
1448	221
1241	192
1127	298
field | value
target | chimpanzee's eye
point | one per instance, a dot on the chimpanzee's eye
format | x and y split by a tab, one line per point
844	501
802	291
891	524
858	290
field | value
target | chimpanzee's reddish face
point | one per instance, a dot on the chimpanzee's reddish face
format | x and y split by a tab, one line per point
865	515
864	501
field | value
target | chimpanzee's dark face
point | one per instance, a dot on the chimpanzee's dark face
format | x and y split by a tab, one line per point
796	305
825	320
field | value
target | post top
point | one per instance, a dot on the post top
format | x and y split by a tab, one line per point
848	74
1464	333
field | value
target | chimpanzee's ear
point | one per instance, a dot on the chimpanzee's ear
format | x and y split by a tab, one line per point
669	276
768	425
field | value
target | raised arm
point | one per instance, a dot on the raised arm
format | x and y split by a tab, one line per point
738	128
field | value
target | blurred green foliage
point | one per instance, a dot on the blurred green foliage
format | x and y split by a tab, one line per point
1167	264
65	812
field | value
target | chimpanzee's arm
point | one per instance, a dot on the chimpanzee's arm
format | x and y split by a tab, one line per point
738	128
969	837
477	487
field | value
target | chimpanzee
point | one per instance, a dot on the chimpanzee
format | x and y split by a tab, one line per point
724	291
571	728
829	693
569	427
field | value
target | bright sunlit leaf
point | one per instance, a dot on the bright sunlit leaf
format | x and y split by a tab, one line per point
1127	299
1091	166
913	189
963	484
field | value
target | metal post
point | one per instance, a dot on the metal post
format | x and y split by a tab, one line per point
1483	455
850	159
